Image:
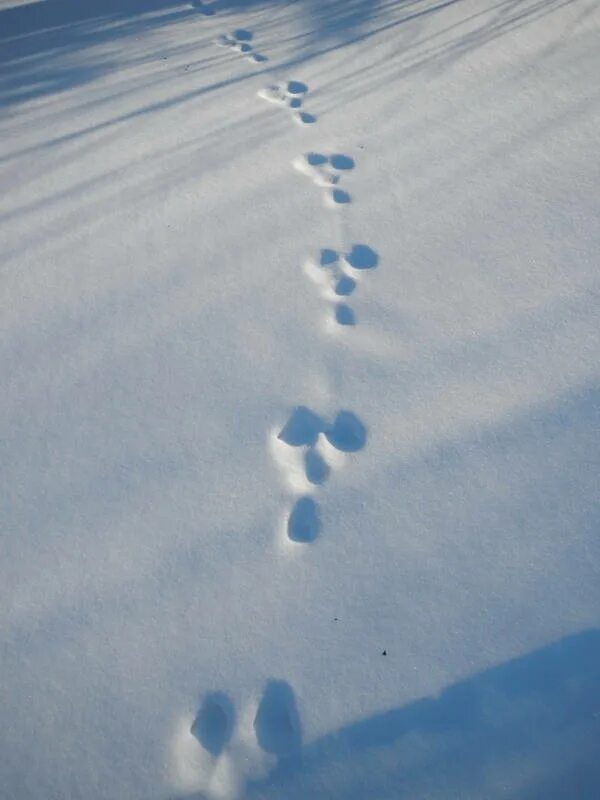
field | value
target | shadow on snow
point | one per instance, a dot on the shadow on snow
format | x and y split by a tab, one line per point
45	46
528	729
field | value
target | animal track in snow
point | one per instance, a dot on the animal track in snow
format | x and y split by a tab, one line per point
219	752
239	41
307	448
198	5
303	523
344	315
214	722
277	724
337	274
204	754
290	95
326	171
322	442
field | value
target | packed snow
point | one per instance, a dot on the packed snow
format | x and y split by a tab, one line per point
301	388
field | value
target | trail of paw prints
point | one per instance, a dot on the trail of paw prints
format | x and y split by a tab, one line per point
326	171
307	449
239	41
289	95
218	751
337	275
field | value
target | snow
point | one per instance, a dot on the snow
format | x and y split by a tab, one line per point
288	385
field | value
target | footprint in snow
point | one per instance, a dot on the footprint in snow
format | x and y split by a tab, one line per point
344	315
326	171
213	724
239	41
307	448
198	5
219	752
303	523
337	275
305	429
290	95
277	723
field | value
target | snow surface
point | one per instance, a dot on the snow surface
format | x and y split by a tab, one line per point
299	422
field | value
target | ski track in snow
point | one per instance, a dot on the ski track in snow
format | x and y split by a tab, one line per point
308	448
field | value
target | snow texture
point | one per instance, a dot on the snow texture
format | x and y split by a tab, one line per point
300	411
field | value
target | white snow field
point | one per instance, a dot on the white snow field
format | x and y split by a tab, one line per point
300	423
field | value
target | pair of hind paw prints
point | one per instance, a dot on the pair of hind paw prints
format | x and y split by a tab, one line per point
202	7
307	449
289	95
239	41
337	275
217	751
326	172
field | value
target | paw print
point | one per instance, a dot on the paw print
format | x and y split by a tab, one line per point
239	41
337	274
307	448
220	751
326	171
290	95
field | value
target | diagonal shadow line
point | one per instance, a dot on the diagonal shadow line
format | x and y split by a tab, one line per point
289	63
194	94
503	713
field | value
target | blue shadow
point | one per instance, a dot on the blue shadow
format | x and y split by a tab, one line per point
533	721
